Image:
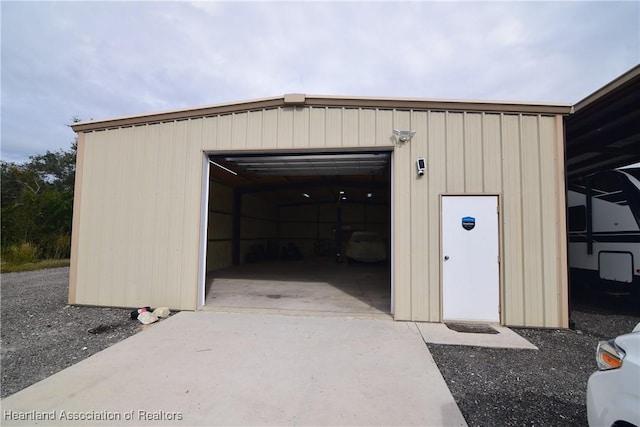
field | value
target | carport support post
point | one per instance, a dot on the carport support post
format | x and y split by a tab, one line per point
235	236
589	197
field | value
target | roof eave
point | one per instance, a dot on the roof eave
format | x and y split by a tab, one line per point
298	99
608	88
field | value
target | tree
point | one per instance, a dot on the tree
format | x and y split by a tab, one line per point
37	201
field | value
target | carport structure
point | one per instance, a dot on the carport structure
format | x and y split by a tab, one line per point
603	131
164	199
602	134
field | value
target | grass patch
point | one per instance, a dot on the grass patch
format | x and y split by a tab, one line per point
21	253
37	265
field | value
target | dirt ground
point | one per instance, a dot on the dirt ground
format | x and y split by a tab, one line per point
41	335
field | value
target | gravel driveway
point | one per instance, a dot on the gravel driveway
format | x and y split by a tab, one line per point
41	335
536	388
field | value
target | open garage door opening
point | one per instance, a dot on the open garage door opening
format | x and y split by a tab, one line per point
300	232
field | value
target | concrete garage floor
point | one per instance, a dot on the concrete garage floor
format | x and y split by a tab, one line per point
309	285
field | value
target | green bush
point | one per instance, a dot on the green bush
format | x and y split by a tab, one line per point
21	253
57	246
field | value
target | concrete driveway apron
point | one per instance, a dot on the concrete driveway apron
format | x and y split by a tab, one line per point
206	368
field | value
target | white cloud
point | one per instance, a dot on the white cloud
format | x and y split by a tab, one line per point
106	59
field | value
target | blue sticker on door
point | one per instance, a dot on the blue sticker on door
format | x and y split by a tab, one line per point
468	222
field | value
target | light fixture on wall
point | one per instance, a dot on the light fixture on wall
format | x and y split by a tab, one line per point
403	135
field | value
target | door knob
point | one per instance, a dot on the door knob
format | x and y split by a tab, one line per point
446	257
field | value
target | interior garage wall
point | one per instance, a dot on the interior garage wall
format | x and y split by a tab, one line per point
312	227
257	223
300	225
220	227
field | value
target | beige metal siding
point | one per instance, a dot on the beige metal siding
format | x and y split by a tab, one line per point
514	156
138	231
436	179
421	298
403	179
140	200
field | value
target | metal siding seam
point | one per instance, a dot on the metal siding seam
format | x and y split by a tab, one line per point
437	186
513	215
482	159
541	224
522	223
194	138
402	235
550	222
419	298
561	212
464	152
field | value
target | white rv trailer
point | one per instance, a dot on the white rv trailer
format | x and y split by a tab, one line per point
604	230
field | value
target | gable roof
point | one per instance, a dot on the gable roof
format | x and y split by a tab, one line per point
301	100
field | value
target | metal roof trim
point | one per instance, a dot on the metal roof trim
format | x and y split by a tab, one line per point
301	100
607	89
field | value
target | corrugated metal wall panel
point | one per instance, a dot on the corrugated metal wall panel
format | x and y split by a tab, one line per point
219	255
350	127
455	162
474	166
223	137
384	122
270	131
437	184
402	185
512	262
552	279
301	127
317	127
137	244
367	123
531	219
254	127
89	228
420	302
210	131
333	128
239	130
514	156
285	128
492	153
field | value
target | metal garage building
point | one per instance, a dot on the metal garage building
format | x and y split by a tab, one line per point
163	199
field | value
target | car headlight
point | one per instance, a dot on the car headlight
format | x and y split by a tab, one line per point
609	355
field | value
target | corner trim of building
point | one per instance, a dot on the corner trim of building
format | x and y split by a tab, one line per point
75	227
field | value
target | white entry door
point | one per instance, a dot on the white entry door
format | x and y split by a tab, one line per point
470	263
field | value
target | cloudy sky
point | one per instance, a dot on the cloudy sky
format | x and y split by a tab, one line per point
95	60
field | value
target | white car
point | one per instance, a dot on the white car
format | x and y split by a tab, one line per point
366	246
613	392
